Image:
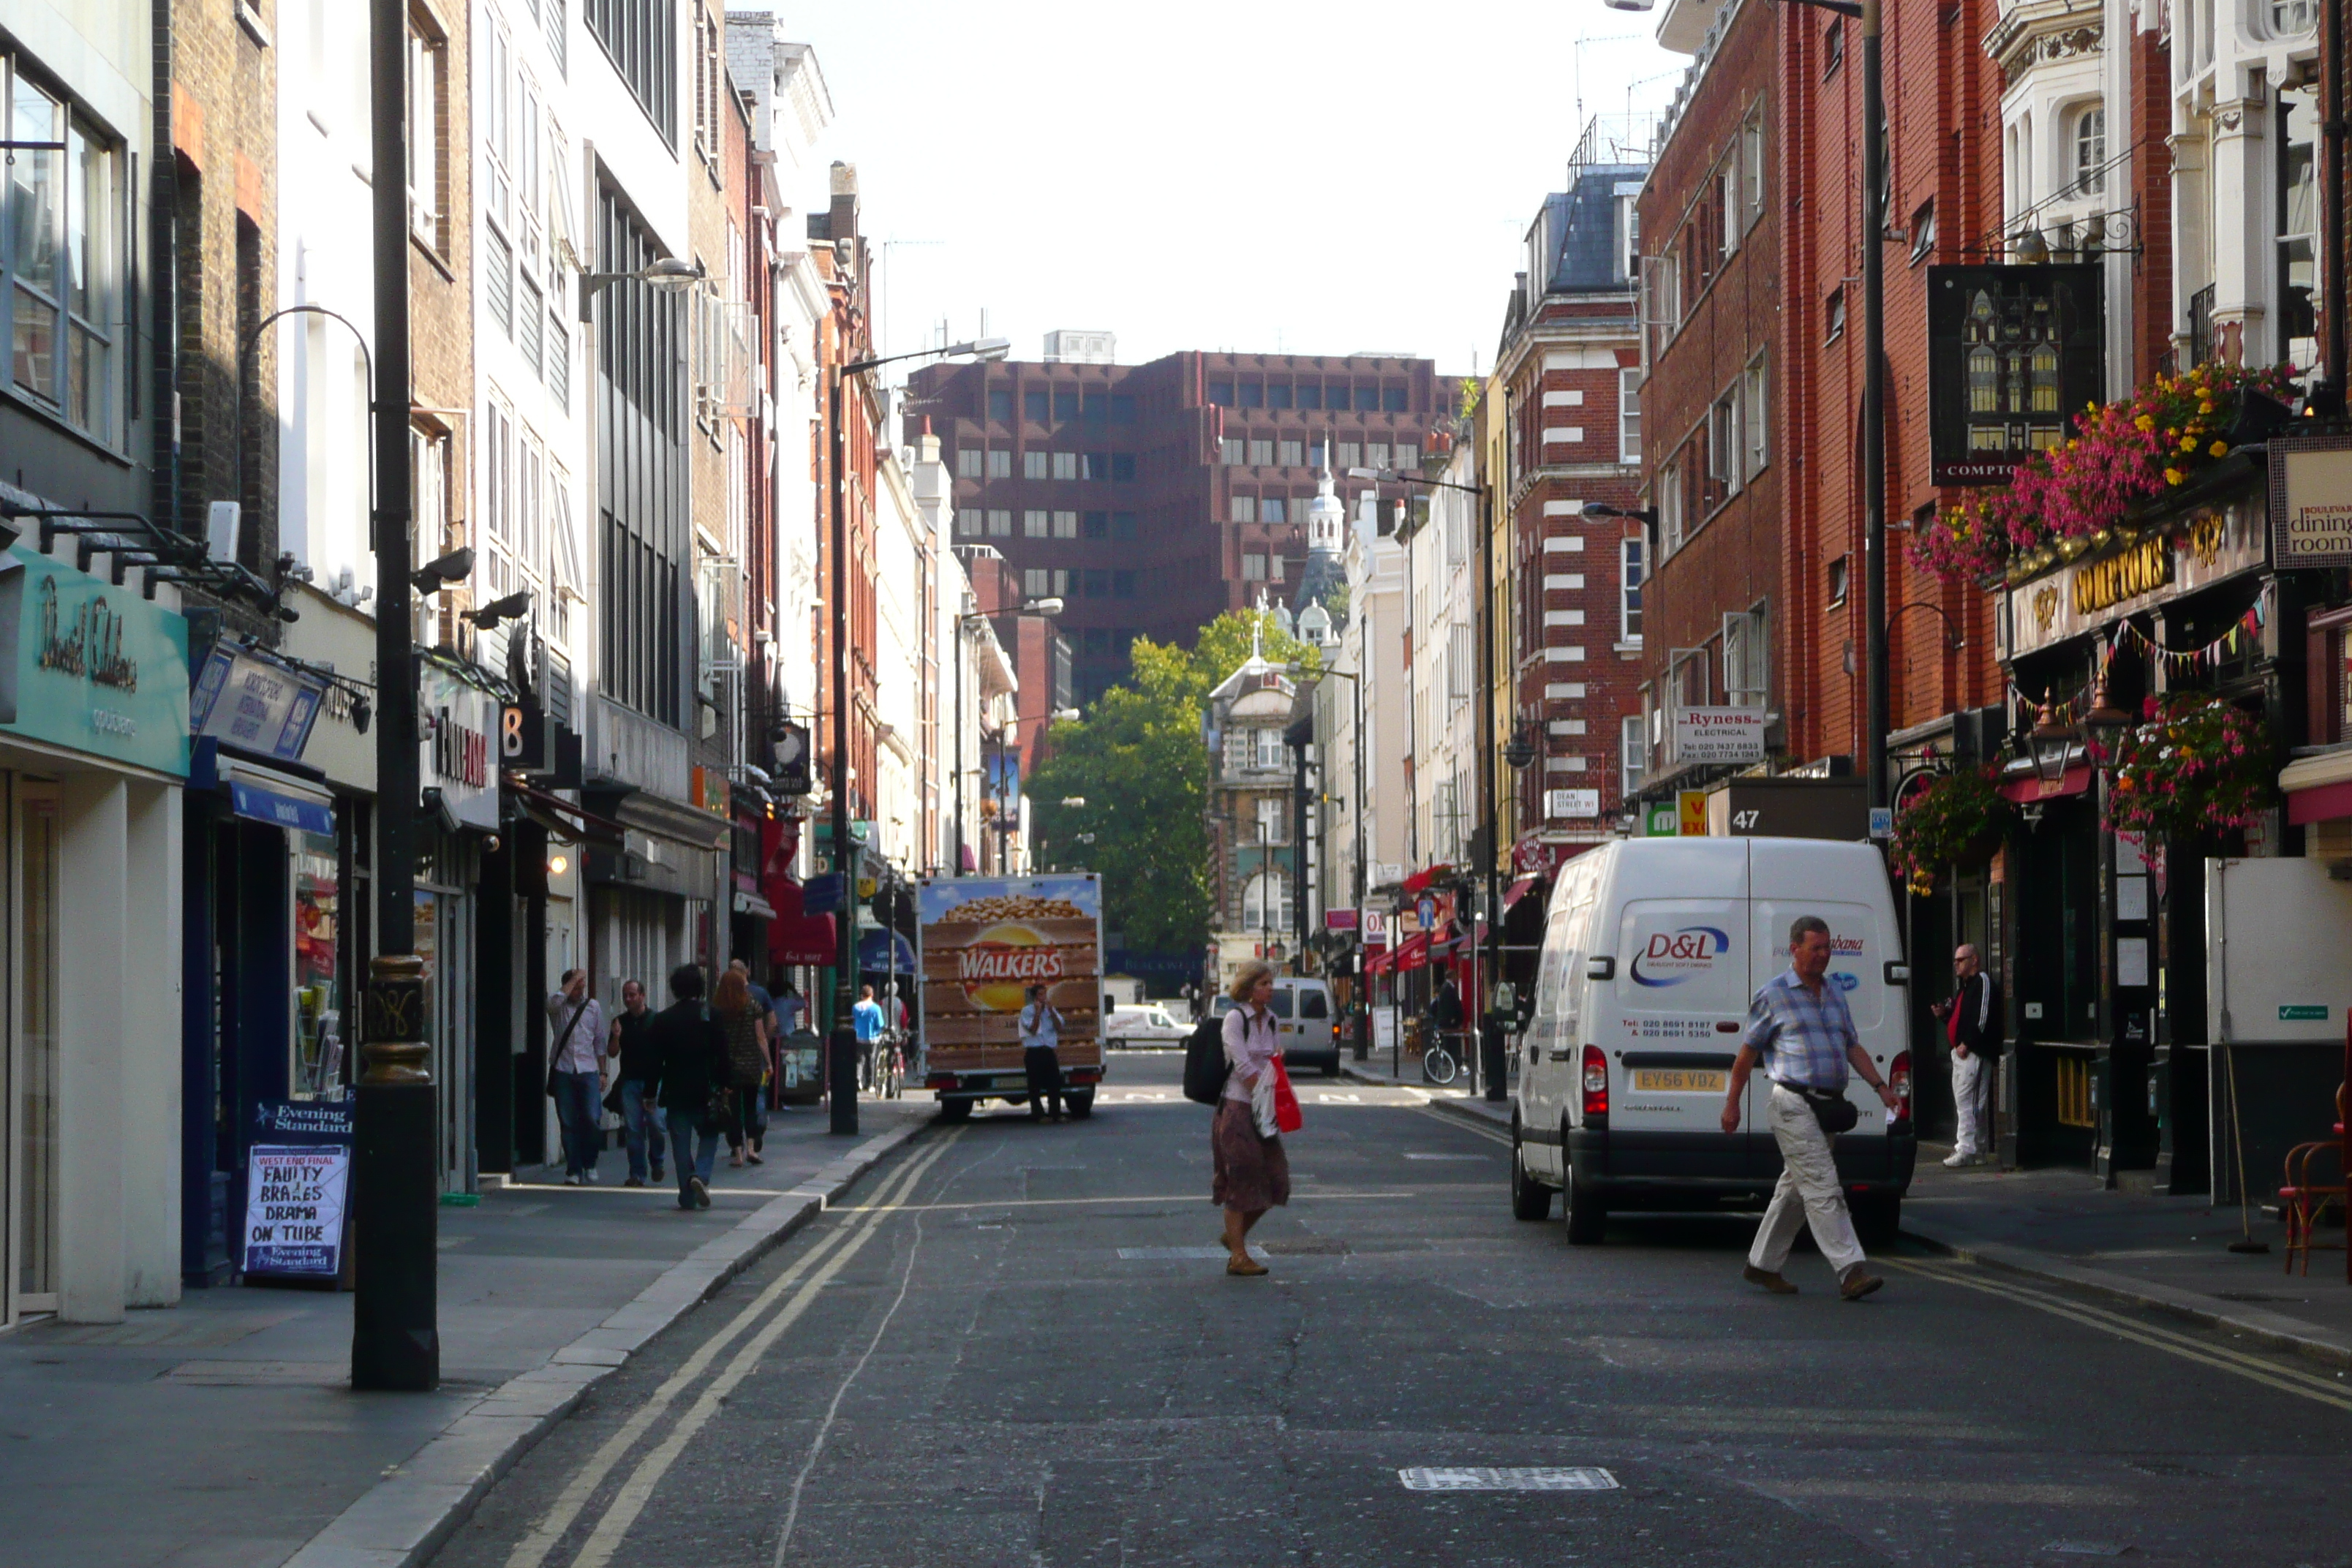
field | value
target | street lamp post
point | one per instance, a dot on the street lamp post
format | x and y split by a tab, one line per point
395	1339
841	1058
1356	745
1475	1056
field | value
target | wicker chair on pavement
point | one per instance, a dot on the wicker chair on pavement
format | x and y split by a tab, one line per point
2303	1201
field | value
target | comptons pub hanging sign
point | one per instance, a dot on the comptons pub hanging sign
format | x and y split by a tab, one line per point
2012	353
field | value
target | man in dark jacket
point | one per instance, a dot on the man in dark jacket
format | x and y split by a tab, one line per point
691	1054
1973	1023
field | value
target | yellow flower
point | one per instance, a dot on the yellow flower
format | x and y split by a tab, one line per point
2188	443
2205	407
2172	476
2220	449
2144	423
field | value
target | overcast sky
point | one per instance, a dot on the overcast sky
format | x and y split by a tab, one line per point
1273	176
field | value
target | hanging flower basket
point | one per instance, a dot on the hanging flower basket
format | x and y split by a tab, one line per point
1954	823
2120	458
2195	764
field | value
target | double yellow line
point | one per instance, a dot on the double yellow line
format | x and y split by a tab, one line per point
803	1280
2188	1347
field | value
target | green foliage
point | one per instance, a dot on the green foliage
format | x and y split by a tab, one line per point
1138	760
1945	825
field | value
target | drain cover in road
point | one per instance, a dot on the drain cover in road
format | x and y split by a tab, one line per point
1523	1478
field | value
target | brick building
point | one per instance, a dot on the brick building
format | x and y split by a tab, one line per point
1152	499
1561	428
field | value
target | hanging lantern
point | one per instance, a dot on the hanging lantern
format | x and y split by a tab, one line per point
2051	740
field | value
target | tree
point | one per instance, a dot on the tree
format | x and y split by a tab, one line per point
1138	760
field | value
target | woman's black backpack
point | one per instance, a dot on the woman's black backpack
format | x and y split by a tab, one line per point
1204	1061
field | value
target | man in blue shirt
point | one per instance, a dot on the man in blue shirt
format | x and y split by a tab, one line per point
1799	1027
867	1018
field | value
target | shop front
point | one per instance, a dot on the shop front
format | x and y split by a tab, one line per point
93	757
651	896
2096	908
472	1000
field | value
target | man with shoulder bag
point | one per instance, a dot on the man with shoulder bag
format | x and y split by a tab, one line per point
1973	1023
575	1075
1799	1027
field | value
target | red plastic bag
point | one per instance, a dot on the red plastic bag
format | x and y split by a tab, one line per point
1286	1116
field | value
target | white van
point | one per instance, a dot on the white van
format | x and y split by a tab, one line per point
1305	1018
1651	948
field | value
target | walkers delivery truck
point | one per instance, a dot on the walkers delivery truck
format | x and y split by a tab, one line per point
984	941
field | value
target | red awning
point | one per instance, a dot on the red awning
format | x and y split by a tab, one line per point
2319	804
1516	890
1412	952
1377	962
1423	879
2031	787
794	937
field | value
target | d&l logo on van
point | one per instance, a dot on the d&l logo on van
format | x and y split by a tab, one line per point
1672	957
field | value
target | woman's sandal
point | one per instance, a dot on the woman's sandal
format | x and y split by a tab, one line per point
1245	1268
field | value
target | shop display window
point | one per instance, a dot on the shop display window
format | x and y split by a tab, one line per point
318	1032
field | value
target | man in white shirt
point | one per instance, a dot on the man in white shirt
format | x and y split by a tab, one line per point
1041	1039
575	1024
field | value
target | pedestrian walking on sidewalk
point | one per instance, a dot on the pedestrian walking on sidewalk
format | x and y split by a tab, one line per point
1250	1173
1973	1023
866	1020
746	1031
1799	1029
763	1004
691	1054
631	1048
575	1075
1040	1044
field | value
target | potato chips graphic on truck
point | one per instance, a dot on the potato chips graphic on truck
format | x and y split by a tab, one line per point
984	941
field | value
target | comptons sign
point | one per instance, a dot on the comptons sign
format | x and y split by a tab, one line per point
2311	502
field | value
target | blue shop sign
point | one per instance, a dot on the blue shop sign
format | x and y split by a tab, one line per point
91	667
255	702
256	804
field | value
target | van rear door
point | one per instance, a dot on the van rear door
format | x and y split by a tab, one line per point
1845	884
1671	1018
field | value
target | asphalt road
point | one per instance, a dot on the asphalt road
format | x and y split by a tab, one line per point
1015	1345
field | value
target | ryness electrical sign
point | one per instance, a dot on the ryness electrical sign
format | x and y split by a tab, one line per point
2014	353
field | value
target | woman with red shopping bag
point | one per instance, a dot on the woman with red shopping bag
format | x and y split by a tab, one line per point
1251	1174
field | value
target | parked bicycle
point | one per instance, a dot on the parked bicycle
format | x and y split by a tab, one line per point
1438	1065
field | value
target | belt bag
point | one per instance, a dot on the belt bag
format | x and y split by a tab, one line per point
1835	1112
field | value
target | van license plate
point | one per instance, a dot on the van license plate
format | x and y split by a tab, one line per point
1679	1081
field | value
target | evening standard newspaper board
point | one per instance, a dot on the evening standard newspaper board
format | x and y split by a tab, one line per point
294	1210
984	941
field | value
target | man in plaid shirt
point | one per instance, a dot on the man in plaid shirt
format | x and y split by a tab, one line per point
1799	1027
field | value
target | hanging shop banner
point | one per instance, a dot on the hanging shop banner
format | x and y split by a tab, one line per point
254	703
457	748
2311	500
294	1209
790	753
88	666
2138	574
1719	735
2012	352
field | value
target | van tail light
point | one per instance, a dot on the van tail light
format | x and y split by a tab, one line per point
1898	1078
1596	1087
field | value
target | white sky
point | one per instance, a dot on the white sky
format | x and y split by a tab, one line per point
1275	176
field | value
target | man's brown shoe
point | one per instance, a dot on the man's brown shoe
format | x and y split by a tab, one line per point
1769	1281
1246	1267
1855	1285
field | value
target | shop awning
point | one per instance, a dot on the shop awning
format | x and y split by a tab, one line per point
2317	788
1423	878
1516	890
563	818
2030	787
804	939
1411	953
282	806
755	905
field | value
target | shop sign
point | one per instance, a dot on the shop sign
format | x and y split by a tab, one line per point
523	733
1339	919
1572	803
2012	353
1690	808
790	753
2311	502
1719	734
88	666
709	791
294	1210
457	754
254	702
1661	819
2211	545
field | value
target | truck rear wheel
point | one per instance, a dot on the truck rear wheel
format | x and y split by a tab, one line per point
1080	1101
1530	1199
955	1109
1586	1215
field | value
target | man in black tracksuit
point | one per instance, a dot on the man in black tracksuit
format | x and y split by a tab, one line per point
1972	1025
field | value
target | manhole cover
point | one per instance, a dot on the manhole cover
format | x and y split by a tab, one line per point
1522	1479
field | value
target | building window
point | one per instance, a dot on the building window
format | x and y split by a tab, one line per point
1122	468
1629	237
1836	314
1837	582
63	260
1291	453
1037	406
709	86
1000	522
1036	582
428	58
1269	748
2293	18
1097	586
1000	406
1245	509
1221	394
1096	525
1000	462
1631	556
640	37
1744	660
1065	525
1066	465
1271	509
1629	415
1252	395
1266	889
1376	455
1751	171
1671	520
1261	454
1351	456
1754	417
1392	399
1726	199
1122	584
971	522
1035	524
2091	151
2298	225
1834	45
970	461
1035	465
1923	231
1274	565
1230	452
1122	525
1065	406
1629	756
1253	568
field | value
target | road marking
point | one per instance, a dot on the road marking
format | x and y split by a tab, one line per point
2309	1385
1064	1203
1461	1126
532	1549
1522	1479
1418	1156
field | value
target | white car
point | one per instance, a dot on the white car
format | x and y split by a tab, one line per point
1144	1027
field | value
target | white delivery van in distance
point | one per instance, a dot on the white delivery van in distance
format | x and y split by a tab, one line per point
1651	948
